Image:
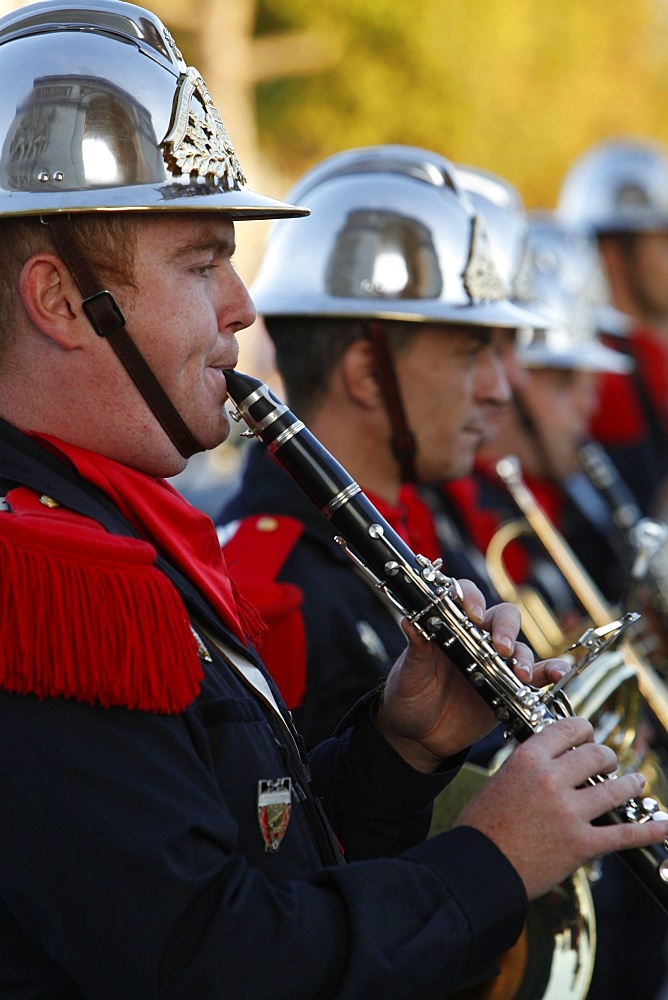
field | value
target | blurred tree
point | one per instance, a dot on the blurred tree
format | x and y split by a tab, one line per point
520	87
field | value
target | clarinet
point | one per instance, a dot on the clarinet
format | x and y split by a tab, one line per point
418	589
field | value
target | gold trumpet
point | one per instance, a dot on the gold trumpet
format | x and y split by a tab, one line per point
611	697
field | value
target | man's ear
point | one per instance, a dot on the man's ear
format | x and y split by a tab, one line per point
53	301
358	371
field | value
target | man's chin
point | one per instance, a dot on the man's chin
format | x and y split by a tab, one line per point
212	436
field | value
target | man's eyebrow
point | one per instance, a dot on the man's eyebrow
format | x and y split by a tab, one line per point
206	244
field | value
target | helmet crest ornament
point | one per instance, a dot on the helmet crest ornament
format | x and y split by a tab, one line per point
197	141
481	278
522	289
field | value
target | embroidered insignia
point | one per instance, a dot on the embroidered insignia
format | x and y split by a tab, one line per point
481	279
197	141
273	810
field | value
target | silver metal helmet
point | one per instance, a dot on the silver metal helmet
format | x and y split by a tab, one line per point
391	235
502	207
99	111
568	287
620	185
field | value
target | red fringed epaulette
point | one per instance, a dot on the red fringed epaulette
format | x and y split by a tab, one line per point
255	554
86	615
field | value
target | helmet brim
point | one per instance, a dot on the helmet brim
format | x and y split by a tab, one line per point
237	204
503	314
585	358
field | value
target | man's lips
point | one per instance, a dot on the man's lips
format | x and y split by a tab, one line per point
474	430
220	368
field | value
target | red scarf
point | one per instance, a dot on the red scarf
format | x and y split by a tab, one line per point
412	519
483	520
181	533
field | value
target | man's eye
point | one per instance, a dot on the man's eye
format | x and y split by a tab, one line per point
476	349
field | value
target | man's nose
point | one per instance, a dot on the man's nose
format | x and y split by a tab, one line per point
241	309
492	382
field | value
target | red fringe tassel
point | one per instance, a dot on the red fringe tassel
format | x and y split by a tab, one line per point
86	615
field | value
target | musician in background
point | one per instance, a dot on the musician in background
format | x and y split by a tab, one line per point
392	331
367	260
544	428
548	422
617	193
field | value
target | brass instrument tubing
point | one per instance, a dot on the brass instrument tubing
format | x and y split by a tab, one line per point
651	688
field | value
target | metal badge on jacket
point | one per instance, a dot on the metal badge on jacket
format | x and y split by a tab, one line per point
273	810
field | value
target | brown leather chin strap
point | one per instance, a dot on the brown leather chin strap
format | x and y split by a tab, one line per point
403	442
108	321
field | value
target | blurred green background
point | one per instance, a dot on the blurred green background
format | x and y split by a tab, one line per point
519	87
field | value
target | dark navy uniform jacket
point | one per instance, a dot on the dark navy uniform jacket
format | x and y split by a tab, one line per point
132	863
352	638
